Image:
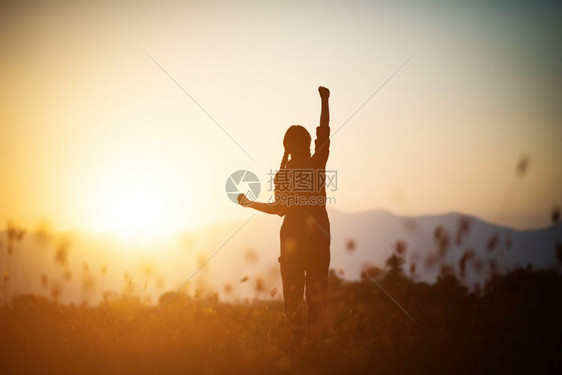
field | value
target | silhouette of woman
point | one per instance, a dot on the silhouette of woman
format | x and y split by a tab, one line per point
300	196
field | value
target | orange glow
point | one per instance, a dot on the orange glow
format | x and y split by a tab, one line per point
78	94
135	206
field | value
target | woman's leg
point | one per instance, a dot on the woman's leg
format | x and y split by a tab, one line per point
292	275
317	271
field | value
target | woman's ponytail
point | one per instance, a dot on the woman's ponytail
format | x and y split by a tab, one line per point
285	160
282	167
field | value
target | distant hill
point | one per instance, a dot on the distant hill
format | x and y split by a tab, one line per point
432	242
375	232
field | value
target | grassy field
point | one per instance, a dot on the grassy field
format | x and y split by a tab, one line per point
513	325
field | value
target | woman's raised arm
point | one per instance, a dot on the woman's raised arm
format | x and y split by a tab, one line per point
322	142
325	114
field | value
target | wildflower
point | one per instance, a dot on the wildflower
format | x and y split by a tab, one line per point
443	241
251	255
228	288
259	285
437	232
14	232
555	215
466	256
412	268
463	227
61	254
522	166
350	245
400	247
492	242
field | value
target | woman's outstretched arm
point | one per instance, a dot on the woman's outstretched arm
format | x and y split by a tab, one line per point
268	208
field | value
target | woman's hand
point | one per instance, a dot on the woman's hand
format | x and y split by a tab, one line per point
324	92
243	200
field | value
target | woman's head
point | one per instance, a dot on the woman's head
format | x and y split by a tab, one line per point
297	142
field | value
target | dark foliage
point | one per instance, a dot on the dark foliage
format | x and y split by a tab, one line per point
513	326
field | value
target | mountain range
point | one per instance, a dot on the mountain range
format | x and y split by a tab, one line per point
238	259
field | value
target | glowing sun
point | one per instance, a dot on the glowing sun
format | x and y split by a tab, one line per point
137	206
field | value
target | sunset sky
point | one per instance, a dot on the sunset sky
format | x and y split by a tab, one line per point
94	135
